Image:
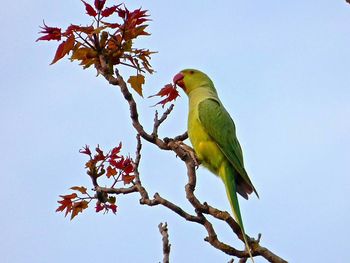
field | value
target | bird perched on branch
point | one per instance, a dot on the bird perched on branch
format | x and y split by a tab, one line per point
212	133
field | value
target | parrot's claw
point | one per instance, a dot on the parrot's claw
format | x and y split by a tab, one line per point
191	153
189	150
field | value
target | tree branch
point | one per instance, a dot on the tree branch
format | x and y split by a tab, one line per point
185	153
163	229
158	122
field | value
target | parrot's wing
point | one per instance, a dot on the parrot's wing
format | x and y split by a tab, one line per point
221	128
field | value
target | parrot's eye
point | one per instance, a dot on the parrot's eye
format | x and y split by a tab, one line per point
191	72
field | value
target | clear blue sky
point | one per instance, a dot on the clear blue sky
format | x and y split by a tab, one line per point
282	71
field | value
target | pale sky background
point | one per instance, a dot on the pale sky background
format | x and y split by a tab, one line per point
281	70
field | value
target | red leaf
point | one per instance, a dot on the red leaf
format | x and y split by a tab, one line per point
59	53
99	207
113	162
109	11
137	17
85	150
115	151
128	178
100	155
169	91
66	203
69	44
111	171
119	165
52	33
99	4
128	166
71	196
113	207
111	25
122	13
64	48
124	164
74	28
89	9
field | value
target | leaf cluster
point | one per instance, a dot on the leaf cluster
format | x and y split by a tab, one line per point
110	36
111	165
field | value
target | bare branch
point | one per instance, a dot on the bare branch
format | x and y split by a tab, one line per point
158	122
181	137
117	191
163	229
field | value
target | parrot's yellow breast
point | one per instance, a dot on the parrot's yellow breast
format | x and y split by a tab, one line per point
207	151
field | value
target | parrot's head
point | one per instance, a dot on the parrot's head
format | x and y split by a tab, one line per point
191	79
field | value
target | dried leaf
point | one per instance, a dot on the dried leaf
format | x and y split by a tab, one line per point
112	199
87	56
136	83
81	189
78	207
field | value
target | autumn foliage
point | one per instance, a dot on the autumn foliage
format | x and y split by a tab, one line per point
106	43
112	166
109	39
110	35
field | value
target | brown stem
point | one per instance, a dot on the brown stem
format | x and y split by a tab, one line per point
163	229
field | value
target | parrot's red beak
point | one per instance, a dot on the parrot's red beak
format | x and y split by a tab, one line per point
178	80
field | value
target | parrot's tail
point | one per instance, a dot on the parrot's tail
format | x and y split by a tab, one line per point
227	175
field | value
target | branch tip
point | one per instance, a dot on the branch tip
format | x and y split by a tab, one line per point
163	229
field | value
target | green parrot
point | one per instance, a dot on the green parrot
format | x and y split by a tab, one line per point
212	133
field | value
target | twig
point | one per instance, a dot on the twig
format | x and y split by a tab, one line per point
181	137
163	229
117	191
158	122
